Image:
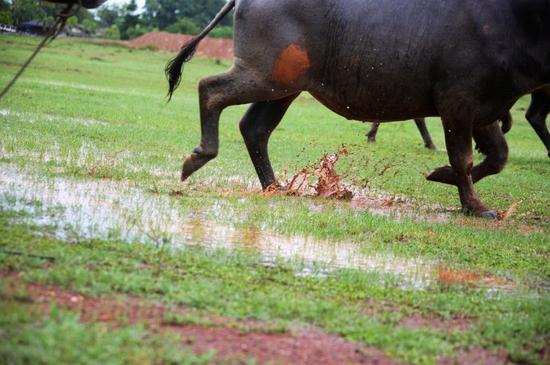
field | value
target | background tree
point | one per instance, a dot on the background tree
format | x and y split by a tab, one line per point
184	26
108	15
164	13
26	10
89	26
111	33
224	31
5	13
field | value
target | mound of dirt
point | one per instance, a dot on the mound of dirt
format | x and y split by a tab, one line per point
209	47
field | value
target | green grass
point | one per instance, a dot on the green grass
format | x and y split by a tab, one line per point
61	338
88	110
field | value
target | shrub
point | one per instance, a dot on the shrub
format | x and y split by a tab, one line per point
184	26
222	32
111	33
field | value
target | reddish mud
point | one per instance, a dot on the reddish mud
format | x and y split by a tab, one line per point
209	47
291	64
320	180
476	356
417	321
237	341
450	277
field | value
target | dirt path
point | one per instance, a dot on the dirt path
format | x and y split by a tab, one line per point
209	47
230	339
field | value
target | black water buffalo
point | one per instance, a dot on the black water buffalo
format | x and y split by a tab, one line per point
467	61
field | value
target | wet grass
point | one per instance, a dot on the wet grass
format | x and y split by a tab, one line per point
59	337
89	111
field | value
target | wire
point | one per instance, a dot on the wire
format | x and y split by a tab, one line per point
52	33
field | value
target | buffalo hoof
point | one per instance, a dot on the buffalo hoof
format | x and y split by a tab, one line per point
445	175
489	214
371	140
188	168
274	187
431	146
195	161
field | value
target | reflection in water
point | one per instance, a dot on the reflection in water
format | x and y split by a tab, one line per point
102	209
399	209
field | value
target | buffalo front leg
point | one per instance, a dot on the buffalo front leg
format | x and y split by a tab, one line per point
423	129
458	139
490	141
536	115
371	135
256	127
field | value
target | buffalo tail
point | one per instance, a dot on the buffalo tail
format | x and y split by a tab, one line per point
175	66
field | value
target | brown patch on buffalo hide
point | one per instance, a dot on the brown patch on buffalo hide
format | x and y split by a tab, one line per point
291	64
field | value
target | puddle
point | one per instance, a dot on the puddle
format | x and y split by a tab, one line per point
40	118
400	209
78	209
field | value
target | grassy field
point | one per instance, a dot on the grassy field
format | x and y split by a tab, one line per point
91	207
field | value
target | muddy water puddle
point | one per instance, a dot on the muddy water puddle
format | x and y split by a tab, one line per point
101	209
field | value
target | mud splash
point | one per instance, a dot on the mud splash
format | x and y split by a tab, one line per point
322	180
75	210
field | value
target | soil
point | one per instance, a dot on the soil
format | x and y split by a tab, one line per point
300	346
209	47
417	321
476	356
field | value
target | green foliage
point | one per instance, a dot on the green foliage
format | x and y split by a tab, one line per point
5	17
90	26
108	15
72	21
184	26
136	31
4	5
167	12
176	16
25	10
222	32
111	33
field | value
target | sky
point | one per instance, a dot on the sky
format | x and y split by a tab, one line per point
141	3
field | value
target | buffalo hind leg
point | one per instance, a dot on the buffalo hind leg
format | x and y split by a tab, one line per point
490	141
256	127
423	129
236	87
420	124
371	135
536	115
458	139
